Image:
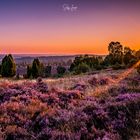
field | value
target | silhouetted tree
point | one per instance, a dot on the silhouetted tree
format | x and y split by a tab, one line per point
8	67
115	53
36	68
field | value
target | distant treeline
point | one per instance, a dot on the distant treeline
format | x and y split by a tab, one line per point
119	57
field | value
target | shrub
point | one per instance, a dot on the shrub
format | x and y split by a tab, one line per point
79	86
82	68
103	81
41	86
35	70
61	70
90	62
93	81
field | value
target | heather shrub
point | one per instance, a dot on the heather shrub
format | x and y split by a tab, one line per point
93	81
133	82
41	86
101	81
104	81
34	110
79	86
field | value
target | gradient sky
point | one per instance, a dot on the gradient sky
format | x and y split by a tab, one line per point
42	26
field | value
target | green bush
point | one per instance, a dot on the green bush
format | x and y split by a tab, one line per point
84	63
82	68
8	67
35	70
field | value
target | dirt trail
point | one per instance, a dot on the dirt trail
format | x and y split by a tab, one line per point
115	82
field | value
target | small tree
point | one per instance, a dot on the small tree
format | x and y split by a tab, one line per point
8	68
61	70
36	68
115	53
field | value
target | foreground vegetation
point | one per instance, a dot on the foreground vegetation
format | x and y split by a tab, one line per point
101	106
102	103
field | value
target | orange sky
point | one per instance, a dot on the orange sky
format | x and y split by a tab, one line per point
65	40
69	33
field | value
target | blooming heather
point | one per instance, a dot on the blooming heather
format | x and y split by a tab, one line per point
33	111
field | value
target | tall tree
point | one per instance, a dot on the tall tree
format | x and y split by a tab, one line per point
36	68
8	67
115	53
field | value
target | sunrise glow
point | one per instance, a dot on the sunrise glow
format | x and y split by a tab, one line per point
44	27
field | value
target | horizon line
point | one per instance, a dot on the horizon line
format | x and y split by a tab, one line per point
52	54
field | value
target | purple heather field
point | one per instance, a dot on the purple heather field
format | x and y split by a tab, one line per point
102	106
